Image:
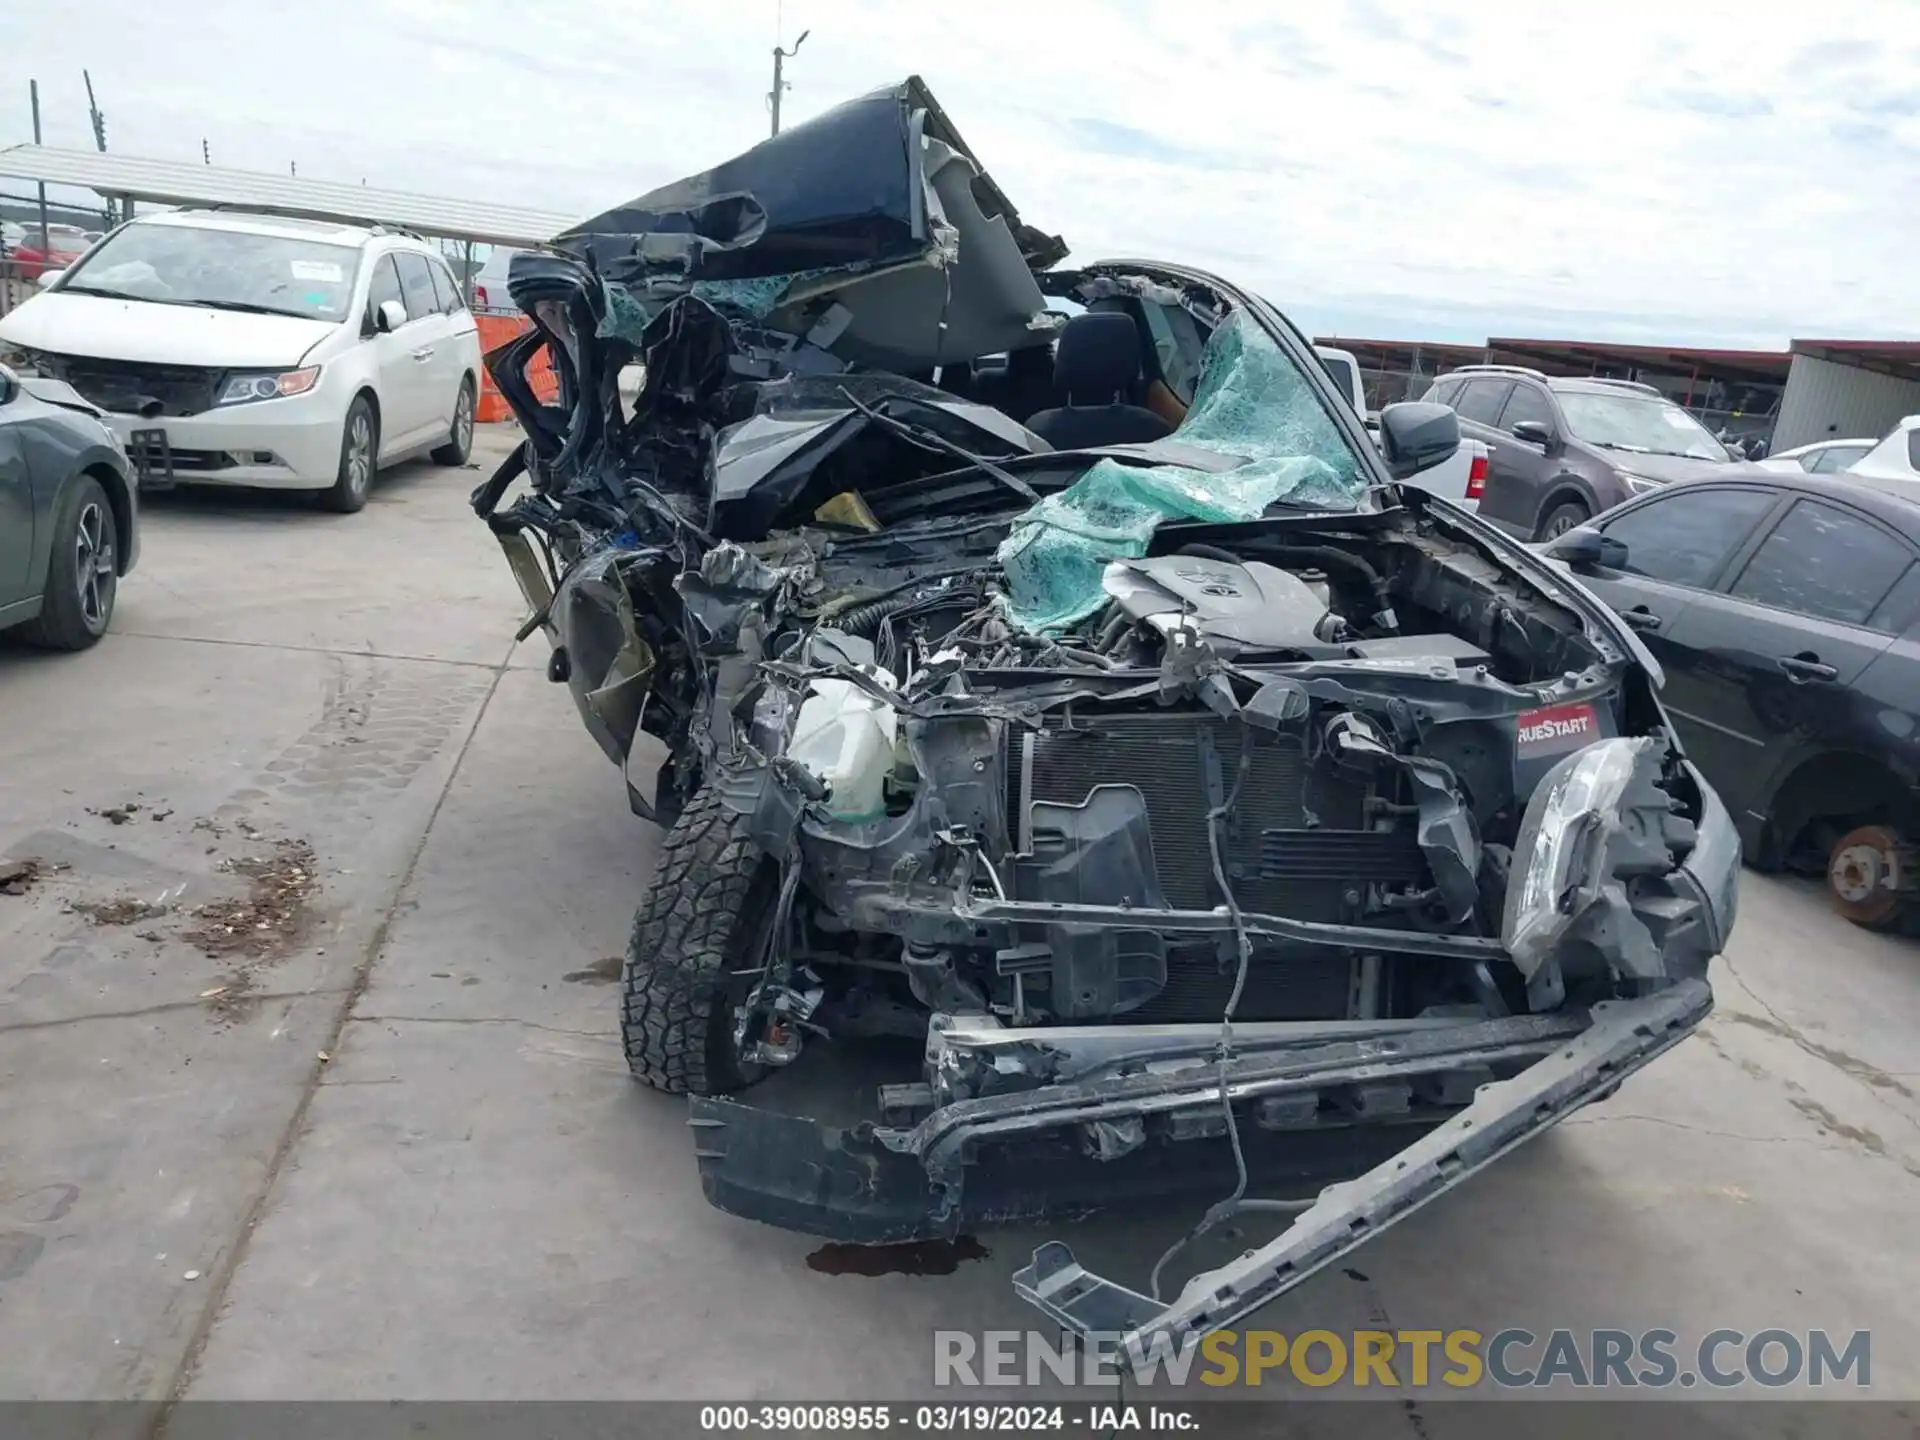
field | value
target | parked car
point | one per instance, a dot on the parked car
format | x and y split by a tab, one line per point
234	349
1343	368
490	295
69	514
1162	778
30	260
1785	610
1461	477
1561	451
1896	458
1822	457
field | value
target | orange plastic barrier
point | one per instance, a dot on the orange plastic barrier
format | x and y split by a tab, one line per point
498	330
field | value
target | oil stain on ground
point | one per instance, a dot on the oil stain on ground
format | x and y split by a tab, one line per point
601	972
1869	1075
911	1257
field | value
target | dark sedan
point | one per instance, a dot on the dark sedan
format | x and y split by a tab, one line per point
1785	610
69	519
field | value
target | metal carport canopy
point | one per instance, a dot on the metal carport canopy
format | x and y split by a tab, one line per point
173	182
1578	357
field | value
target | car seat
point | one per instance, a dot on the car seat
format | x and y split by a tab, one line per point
1096	365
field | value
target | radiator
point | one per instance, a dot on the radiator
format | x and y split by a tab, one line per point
1294	846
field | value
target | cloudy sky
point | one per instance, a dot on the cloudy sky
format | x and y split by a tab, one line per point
1686	170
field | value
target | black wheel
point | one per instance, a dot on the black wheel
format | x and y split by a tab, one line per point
359	457
1562	518
696	951
82	573
459	439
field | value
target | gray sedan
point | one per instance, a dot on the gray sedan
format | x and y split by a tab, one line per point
69	514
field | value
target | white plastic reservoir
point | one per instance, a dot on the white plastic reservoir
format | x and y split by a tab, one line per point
846	737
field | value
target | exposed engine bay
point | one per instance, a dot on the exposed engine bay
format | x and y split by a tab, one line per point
1178	782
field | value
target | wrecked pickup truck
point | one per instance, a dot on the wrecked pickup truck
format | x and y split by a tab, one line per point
1085	698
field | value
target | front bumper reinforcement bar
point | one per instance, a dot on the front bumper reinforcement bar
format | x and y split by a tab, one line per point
1623	1036
870	1184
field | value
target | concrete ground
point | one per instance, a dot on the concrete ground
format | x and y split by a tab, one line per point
388	1148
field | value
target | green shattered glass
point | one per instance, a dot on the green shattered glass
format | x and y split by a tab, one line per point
1252	404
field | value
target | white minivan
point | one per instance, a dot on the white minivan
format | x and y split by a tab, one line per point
234	349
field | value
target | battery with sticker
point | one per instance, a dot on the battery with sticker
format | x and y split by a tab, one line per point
1545	737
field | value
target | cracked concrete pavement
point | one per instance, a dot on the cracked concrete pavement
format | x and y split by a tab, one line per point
407	1161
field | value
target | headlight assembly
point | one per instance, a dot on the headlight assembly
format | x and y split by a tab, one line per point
1560	854
21	360
269	385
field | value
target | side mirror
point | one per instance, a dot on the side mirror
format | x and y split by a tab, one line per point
47	277
1416	435
1585	548
389	317
1534	432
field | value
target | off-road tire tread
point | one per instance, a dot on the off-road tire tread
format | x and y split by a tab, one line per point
675	1019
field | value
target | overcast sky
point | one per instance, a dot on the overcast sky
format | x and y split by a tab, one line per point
1686	170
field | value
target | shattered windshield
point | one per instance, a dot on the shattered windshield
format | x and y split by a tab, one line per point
1253	403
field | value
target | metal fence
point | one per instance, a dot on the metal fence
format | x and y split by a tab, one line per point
17	282
1389	386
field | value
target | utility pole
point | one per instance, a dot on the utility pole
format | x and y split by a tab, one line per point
33	92
96	115
780	85
98	119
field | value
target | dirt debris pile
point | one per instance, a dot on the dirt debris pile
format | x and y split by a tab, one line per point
124	910
270	918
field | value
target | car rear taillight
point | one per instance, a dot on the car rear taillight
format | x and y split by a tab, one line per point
1477	477
480	296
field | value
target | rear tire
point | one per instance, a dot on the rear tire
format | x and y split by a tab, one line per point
359	459
460	438
82	572
703	923
1562	518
